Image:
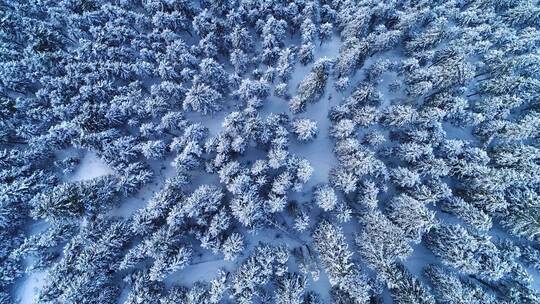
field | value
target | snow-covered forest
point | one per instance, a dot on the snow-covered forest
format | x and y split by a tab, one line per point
270	151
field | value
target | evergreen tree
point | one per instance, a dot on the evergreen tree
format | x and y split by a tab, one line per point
335	256
471	215
412	216
439	131
521	217
405	288
290	289
85	274
381	244
469	253
311	88
265	263
202	98
325	198
143	289
305	129
449	288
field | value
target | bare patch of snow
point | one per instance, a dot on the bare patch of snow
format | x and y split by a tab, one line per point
203	271
91	167
29	288
419	260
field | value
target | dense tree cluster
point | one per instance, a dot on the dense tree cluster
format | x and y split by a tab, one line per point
204	110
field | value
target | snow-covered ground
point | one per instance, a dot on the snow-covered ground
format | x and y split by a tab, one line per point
91	166
318	151
30	286
412	61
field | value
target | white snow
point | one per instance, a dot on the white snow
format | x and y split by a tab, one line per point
91	166
420	258
29	288
203	271
453	132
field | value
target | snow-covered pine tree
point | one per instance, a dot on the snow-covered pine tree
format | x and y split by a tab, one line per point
311	89
335	256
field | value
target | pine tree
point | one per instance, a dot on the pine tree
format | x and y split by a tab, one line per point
325	197
311	88
381	243
305	129
202	98
71	200
517	288
405	288
449	288
398	116
524	14
85	274
469	253
253	93
143	289
335	256
405	177
325	32
256	271
470	214
351	55
521	217
285	64
155	213
343	129
247	208
204	200
43	247
307	48
169	254
290	289
412	216
233	246
154	149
